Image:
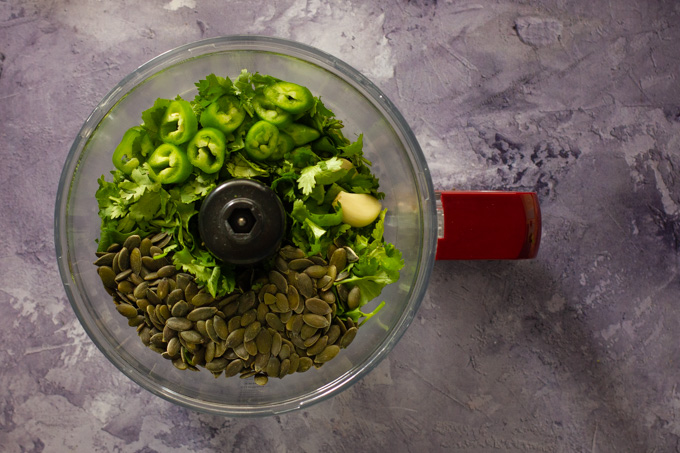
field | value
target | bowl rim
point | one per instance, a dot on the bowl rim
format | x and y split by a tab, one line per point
309	54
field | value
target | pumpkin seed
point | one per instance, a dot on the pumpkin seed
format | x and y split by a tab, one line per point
152	297
113	248
140	290
241	352
274	322
315	320
352	257
180	309
309	342
127	310
235	338
307	331
250	347
273	366
105	260
190	291
327	354
281	264
354	298
136	321
282	302
191	336
348	337
295	323
317	306
316	271
304	285
221	328
333	334
201	313
284	353
339	259
300	264
318	346
262	311
179	324
175	296
261	379
304	364
157	339
125	287
252	331
264	342
220	348
136	279
162	313
294	363
246	302
168	333
277	343
327	296
201	298
218	364
279	280
123	259
173	347
234	368
136	260
293	297
108	276
291	253
132	241
210	329
324	283
210	352
248	317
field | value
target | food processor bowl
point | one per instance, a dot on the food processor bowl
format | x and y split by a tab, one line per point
389	143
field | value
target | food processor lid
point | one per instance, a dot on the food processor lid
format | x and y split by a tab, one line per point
242	222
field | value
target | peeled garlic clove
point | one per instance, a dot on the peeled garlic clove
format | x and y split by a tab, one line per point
358	209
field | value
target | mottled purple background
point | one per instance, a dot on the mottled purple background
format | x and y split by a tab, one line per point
576	351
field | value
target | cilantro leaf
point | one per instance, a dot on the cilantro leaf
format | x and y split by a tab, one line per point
324	169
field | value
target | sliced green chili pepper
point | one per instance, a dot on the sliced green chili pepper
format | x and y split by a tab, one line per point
300	133
169	164
289	96
261	140
207	150
179	123
267	111
225	114
132	150
284	145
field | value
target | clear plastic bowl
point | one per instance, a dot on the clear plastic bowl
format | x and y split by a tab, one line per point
388	142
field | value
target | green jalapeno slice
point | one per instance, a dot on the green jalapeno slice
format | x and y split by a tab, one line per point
267	111
169	164
225	114
261	140
207	150
132	150
291	97
300	133
179	123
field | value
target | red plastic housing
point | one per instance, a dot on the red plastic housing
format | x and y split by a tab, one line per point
488	225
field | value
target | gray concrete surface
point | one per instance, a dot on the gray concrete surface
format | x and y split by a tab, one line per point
576	351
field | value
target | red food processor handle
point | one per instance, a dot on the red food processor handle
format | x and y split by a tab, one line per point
488	225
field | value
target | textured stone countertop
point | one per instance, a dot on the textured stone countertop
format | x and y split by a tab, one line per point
575	351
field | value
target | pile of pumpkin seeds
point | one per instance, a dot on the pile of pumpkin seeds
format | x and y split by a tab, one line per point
281	322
